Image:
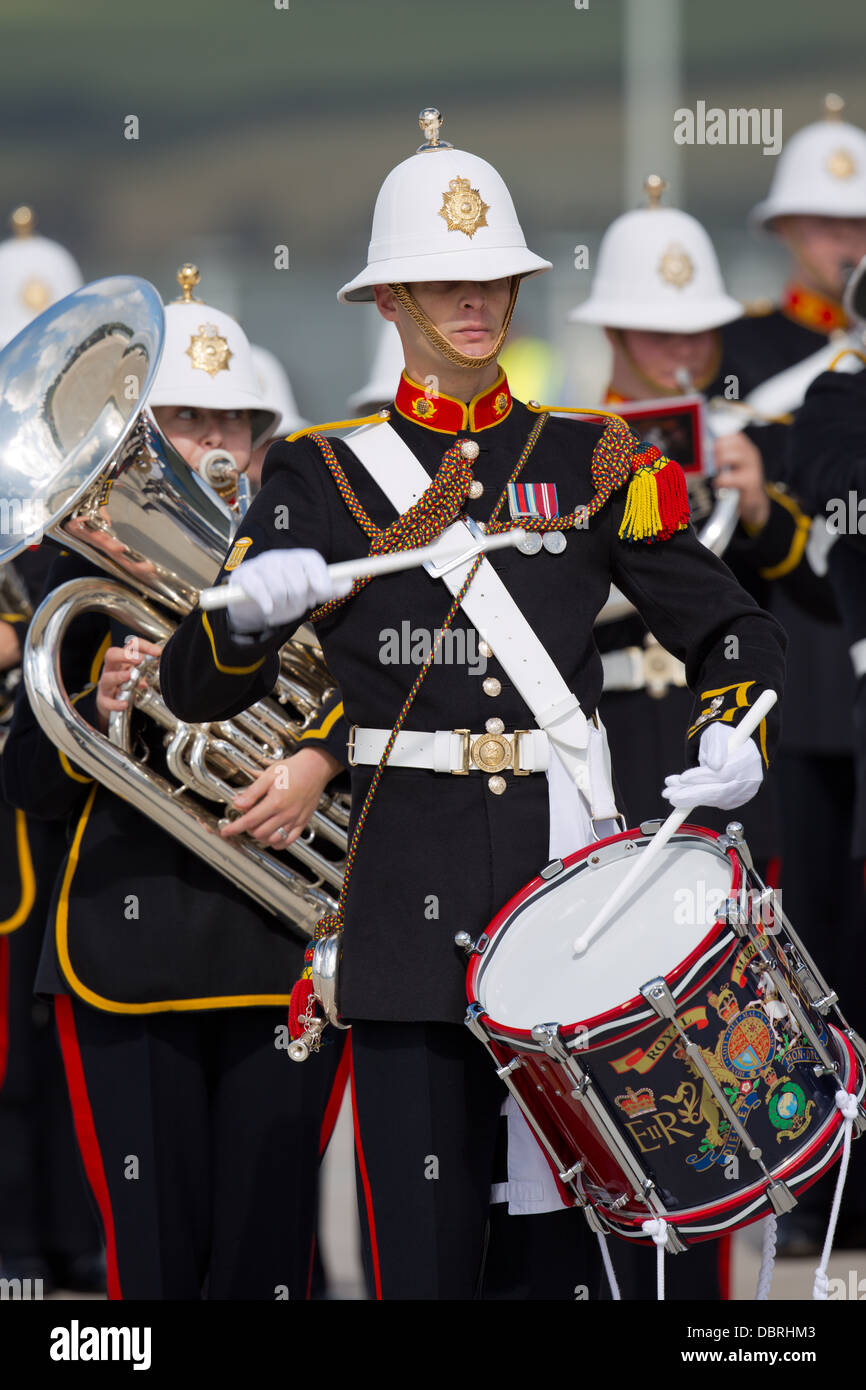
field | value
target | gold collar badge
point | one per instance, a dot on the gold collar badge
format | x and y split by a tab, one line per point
676	266
463	208
208	351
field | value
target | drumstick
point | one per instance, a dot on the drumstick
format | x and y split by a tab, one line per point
644	861
374	565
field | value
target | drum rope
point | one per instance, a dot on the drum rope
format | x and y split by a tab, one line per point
658	1229
848	1105
768	1258
608	1267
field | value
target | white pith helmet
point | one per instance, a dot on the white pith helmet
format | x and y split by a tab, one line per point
385	373
657	270
34	274
276	392
207	361
442	214
821	171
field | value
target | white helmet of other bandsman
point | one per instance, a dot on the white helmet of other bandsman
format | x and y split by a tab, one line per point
207	361
657	270
821	171
34	273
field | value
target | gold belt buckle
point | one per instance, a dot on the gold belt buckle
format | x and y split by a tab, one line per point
491	753
661	669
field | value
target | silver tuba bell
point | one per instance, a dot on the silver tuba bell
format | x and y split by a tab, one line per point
82	461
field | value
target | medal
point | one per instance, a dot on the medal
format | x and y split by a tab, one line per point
554	542
531	543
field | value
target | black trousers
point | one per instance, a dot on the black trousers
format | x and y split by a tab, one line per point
44	1206
427	1102
823	895
201	1144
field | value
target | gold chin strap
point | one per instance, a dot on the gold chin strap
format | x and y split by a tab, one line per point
656	386
443	344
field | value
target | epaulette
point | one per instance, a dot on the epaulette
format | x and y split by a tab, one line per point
657	501
758	308
379	418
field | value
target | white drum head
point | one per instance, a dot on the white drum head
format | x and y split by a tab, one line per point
532	974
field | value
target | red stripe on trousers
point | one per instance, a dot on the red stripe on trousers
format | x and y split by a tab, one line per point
4	1007
335	1099
85	1132
725	1268
368	1196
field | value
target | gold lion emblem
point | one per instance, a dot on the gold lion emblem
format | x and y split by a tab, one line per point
676	266
841	164
463	208
208	351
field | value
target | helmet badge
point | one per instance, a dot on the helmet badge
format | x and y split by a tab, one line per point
463	208
841	164
208	351
676	266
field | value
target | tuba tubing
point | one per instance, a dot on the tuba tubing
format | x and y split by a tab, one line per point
272	883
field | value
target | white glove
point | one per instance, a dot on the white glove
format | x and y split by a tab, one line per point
280	586
722	779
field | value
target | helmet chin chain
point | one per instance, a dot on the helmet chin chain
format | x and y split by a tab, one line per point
698	384
440	342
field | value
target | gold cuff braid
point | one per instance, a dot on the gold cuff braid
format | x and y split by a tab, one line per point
440	342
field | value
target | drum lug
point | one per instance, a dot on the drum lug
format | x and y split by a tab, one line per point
509	1067
737	838
731	917
650	827
658	995
550	870
780	1197
472	948
857	1043
574	1171
647	1187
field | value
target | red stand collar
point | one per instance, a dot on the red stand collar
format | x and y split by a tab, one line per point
446	415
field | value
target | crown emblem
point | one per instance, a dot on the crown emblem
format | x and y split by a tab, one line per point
676	266
725	1004
500	403
208	351
636	1103
463	208
841	164
424	408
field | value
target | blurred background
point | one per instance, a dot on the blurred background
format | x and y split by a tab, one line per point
261	126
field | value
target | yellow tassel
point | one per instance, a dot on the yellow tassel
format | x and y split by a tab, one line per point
642	519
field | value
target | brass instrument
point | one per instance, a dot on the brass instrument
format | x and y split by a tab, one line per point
80	454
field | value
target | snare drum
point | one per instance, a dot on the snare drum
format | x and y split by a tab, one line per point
685	1066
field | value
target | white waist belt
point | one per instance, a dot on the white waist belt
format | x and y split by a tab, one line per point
642	668
453	750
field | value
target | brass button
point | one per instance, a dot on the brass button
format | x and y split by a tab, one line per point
476	489
486	650
492	686
469	449
497	785
495	726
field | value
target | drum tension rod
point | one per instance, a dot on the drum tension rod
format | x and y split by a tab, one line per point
550	1040
658	995
473	1022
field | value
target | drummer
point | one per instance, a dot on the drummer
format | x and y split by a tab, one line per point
451	831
